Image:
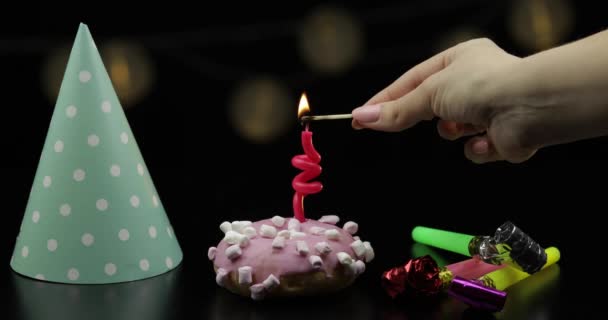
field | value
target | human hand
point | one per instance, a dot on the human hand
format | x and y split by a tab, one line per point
461	87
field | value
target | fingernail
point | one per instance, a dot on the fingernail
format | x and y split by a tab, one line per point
356	125
367	113
480	147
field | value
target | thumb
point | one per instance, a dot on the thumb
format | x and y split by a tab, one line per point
395	115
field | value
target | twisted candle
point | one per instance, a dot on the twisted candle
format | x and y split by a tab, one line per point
308	162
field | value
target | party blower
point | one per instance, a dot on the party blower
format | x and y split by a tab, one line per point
484	293
424	277
509	245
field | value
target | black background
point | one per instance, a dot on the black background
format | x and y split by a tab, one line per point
388	182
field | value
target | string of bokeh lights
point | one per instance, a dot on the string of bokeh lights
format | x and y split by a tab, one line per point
330	40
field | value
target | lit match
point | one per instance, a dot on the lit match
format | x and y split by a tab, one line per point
303	108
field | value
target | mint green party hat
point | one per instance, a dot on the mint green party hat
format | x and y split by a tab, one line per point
93	214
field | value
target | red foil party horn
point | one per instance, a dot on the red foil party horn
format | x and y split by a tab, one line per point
423	277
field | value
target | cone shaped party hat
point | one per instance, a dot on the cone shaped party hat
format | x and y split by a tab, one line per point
93	214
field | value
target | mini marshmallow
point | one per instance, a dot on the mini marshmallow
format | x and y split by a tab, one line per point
257	288
257	291
315	262
294	224
344	258
278	221
317	231
221	276
238	226
243	241
356	238
271	282
233	252
250	232
330	219
369	252
358	248
302	247
332	234
225	226
360	266
211	253
267	231
323	248
278	242
245	275
297	234
350	269
284	234
351	227
232	237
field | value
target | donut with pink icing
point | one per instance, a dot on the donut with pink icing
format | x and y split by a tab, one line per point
281	257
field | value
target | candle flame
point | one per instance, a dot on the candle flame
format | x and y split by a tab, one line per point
303	108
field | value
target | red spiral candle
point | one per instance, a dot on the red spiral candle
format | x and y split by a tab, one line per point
309	163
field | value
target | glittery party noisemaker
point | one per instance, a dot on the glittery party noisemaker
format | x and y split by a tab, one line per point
508	245
480	293
423	277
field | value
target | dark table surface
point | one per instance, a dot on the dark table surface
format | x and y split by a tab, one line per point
190	292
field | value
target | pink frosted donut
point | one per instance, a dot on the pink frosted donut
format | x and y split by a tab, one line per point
282	257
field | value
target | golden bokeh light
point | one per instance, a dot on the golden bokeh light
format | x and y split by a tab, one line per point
129	67
331	40
261	110
538	25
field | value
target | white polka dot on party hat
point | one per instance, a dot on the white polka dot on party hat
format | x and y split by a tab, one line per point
58	146
71	111
46	182
87	239
93	140
134	201
65	209
101	204
25	251
39	276
106	106
169	232
169	262
51	244
79	175
123	234
73	274
36	216
124	138
115	170
110	269
152	232
155	201
144	264
140	169
84	76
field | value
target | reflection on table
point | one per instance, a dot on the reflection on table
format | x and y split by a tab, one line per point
144	299
352	303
